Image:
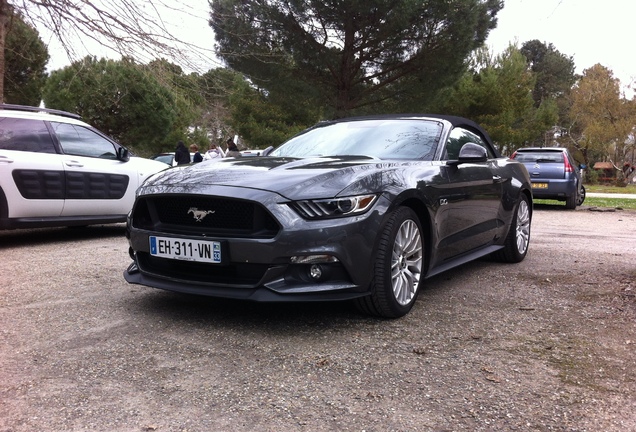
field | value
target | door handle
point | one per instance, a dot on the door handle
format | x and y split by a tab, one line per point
73	163
497	179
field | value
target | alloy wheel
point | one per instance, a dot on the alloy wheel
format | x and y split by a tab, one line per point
523	226
406	262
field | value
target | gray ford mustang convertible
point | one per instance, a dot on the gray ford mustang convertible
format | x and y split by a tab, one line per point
360	209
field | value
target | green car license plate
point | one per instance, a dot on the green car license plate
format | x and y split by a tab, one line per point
186	249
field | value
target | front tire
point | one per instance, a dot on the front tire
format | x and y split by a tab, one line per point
398	267
4	209
518	237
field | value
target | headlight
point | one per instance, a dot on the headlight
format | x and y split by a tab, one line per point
334	207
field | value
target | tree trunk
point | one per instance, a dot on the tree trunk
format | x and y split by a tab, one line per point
5	19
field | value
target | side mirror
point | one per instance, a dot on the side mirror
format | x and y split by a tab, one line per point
471	152
122	154
267	151
582	166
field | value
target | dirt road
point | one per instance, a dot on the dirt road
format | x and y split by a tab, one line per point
545	345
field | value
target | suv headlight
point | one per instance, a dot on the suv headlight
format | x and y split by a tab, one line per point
334	207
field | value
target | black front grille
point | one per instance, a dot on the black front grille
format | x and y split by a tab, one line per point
204	215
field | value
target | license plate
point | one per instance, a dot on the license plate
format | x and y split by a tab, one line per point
539	185
186	249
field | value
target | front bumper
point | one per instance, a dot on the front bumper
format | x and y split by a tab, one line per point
260	294
261	269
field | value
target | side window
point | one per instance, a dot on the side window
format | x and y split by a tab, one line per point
80	141
458	137
25	135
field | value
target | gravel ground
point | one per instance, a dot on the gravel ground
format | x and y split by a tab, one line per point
544	345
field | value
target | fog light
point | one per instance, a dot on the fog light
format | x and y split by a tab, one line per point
315	271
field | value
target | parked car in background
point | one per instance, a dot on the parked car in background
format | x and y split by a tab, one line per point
554	173
360	209
248	153
168	158
56	170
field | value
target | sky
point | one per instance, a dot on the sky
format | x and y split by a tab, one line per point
186	20
589	31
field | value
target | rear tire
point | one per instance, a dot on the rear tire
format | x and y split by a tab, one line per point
398	267
518	237
581	197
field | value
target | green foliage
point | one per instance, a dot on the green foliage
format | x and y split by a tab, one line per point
601	119
25	64
616	203
604	188
612	203
233	105
351	57
591	176
200	137
186	98
497	93
554	78
554	71
120	99
172	76
260	121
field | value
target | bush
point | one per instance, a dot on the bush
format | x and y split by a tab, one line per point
591	176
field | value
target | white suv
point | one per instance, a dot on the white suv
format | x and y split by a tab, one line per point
56	170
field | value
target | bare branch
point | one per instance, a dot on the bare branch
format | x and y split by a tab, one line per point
141	30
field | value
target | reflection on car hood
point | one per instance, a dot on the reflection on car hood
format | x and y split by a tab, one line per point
289	177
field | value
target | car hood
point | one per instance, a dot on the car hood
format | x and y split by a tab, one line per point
289	177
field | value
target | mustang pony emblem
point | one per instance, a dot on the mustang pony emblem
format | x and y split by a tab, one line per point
199	214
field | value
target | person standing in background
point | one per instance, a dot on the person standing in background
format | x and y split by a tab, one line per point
232	149
181	154
213	153
197	156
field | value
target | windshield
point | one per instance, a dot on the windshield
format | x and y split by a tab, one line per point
383	139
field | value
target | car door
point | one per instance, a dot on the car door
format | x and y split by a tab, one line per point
470	201
97	183
31	170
